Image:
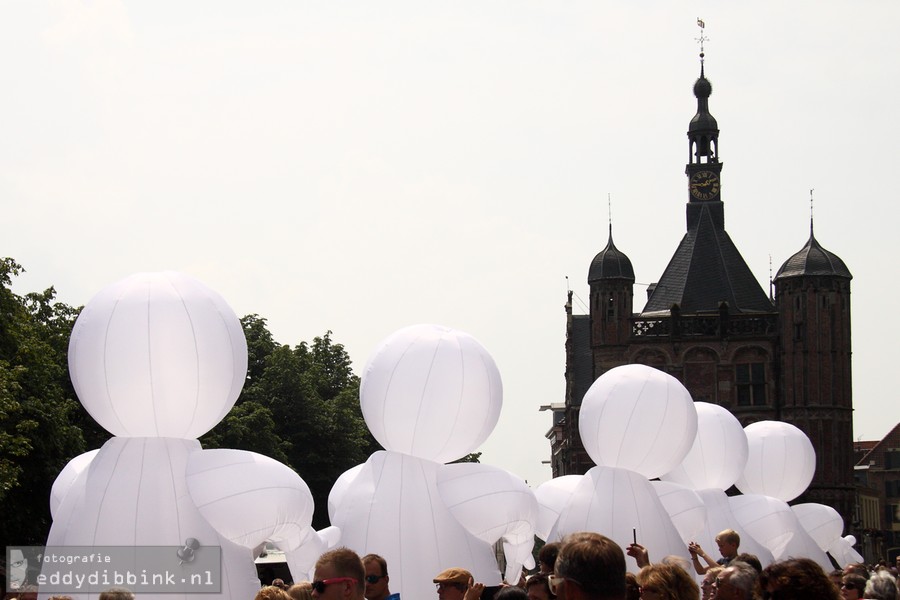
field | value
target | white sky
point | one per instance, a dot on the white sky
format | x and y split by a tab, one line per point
363	166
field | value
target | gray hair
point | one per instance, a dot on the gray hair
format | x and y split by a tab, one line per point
743	577
882	586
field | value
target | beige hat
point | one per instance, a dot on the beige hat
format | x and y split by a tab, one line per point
454	575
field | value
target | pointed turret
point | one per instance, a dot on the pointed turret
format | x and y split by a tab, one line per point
813	260
610	263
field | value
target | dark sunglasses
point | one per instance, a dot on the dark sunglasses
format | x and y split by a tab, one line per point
850	586
374	578
319	586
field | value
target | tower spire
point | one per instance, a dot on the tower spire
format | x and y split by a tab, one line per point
701	40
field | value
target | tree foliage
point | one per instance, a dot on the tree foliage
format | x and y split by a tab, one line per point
42	426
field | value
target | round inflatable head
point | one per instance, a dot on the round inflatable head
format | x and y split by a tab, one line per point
781	461
638	418
431	392
158	355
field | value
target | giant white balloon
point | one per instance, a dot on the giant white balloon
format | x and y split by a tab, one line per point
431	392
781	461
638	418
158	355
718	454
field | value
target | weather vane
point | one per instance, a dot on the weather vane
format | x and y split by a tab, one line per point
702	37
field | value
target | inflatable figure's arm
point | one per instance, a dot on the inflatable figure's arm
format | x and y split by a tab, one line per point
66	479
249	498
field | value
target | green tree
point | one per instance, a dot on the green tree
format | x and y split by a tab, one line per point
37	406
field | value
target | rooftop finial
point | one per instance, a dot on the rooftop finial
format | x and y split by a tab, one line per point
609	209
701	40
811	212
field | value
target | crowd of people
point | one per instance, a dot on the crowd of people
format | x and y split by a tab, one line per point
590	566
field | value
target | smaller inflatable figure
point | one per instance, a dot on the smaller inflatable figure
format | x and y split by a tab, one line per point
636	423
431	395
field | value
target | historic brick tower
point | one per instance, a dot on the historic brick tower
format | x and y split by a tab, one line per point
708	322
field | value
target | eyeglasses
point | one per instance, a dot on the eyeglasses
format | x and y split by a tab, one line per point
374	578
449	585
554	581
319	586
850	586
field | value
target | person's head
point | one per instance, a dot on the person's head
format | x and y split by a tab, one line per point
547	557
300	591
116	593
736	582
881	586
852	586
797	579
667	582
376	577
708	585
538	587
511	592
339	575
279	583
452	583
837	577
589	566
272	592
632	589
750	559
678	561
857	569
728	542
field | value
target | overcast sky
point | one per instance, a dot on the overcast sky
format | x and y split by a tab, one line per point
363	166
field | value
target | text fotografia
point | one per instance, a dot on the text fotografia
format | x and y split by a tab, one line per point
190	568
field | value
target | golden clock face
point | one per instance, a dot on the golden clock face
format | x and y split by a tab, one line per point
704	185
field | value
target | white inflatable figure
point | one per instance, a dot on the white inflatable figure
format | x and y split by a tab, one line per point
636	423
158	359
781	464
716	460
429	395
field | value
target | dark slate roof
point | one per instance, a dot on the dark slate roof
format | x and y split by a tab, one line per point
610	263
707	269
582	375
812	260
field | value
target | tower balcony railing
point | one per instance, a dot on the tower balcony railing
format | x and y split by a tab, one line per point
716	325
